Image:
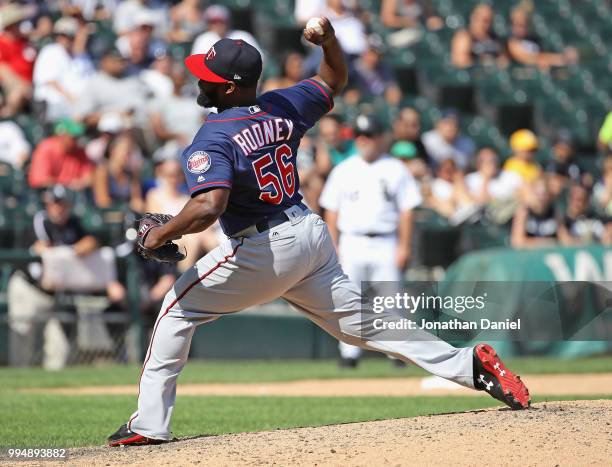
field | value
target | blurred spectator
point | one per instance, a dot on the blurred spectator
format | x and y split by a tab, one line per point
30	293
16	59
350	30
535	223
169	196
306	9
128	11
478	44
14	147
157	78
94	10
407	128
109	90
176	117
446	142
332	147
524	144
407	153
406	17
562	162
42	32
578	225
447	193
311	181
218	18
114	183
61	69
603	189
138	46
525	48
110	125
61	160
292	71
562	169
488	183
186	21
371	76
604	139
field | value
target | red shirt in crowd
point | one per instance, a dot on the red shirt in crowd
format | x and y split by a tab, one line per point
18	54
52	164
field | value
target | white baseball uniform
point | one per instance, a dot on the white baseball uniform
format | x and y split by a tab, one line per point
368	199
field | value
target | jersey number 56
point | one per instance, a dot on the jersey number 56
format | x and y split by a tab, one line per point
281	184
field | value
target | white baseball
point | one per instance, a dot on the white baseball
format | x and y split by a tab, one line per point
315	24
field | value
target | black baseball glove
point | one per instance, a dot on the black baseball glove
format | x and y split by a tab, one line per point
168	252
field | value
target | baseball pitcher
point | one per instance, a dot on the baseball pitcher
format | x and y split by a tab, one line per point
241	170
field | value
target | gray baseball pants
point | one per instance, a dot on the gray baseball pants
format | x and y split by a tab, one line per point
296	261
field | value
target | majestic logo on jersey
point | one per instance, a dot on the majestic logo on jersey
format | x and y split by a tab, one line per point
201	178
237	77
198	162
211	53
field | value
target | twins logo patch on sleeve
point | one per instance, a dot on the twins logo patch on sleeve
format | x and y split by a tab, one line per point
199	162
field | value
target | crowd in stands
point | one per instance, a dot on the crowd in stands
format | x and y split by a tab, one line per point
94	98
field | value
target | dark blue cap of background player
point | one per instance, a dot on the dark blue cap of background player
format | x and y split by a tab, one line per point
227	60
367	125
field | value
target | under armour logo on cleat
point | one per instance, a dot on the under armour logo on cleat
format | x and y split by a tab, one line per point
497	367
488	384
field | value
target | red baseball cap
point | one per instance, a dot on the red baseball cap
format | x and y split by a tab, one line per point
227	60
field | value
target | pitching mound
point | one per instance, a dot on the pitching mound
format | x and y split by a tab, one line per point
553	433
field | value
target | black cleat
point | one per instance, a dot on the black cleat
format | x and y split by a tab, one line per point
349	363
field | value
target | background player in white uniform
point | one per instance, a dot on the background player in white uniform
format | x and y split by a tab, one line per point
241	170
368	201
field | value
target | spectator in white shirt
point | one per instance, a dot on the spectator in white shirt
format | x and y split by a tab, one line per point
176	117
218	19
125	13
61	69
109	90
488	183
157	78
446	142
14	148
306	9
138	45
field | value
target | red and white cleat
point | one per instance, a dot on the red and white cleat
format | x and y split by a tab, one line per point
491	375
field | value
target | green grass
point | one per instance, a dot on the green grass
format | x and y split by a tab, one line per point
33	420
265	371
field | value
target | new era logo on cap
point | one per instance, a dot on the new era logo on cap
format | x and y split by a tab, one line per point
227	60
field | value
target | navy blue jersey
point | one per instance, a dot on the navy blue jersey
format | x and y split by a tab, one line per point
252	151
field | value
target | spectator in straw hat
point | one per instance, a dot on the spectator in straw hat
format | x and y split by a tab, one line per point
16	59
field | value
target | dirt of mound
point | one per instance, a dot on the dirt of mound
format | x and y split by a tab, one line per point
553	433
542	385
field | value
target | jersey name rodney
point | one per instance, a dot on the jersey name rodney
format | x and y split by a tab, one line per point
252	151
